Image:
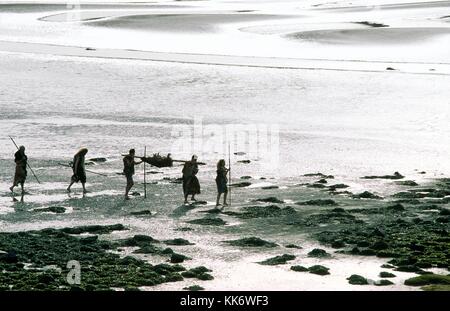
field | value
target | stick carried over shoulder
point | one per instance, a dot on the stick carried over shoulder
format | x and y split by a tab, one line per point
145	180
67	165
229	172
27	161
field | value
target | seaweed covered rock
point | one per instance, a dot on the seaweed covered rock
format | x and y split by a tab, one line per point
293	246
216	221
338	244
278	260
367	195
299	268
320	175
52	209
262	212
384	274
318	269
356	279
270	200
141	213
102	269
397	207
337	186
383	282
178	241
178	258
251	242
319	202
138	240
318	253
193	288
97	229
396	175
409	183
428	279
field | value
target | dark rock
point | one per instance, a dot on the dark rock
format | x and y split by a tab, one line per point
387	266
244	161
356	279
246	177
398	207
178	258
299	269
444	212
9	257
379	245
251	242
52	209
193	288
408	268
428	279
208	222
318	253
270	200
270	187
318	269
293	246
396	175
319	175
316	185
337	186
178	241
97	229
384	274
319	202
367	195
278	260
409	183
383	283
338	244
141	213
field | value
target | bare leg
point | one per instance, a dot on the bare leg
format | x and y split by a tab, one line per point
193	198
186	198
225	199
71	183
84	187
218	199
127	190
21	186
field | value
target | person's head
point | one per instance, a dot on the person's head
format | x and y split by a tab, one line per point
82	151
194	158
132	152
22	148
221	163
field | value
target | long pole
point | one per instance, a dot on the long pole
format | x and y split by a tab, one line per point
67	165
145	180
229	171
27	161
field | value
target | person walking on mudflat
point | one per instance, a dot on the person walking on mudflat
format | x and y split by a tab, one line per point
221	182
191	185
128	170
20	174
79	171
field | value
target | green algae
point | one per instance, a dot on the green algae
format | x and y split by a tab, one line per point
278	260
251	242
